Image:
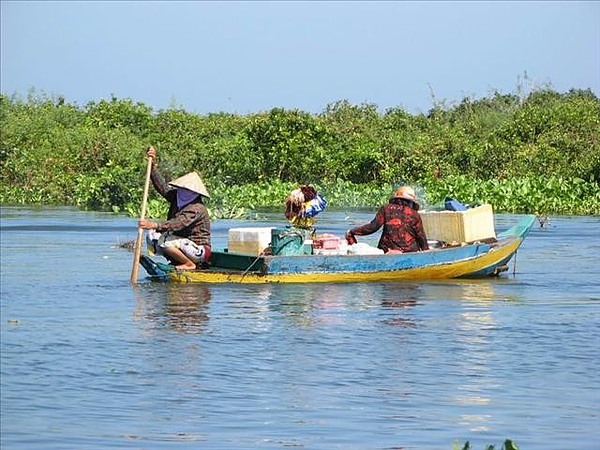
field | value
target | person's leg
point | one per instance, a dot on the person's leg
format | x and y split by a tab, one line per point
181	261
199	254
183	253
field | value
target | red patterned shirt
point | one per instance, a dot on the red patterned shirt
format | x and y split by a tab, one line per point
402	228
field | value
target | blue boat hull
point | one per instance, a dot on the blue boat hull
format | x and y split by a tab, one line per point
467	261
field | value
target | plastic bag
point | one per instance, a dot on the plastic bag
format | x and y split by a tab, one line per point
454	205
314	206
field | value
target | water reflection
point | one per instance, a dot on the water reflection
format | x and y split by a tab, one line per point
185	307
181	307
399	297
307	305
474	325
311	305
458	290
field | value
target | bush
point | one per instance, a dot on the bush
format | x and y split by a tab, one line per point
534	153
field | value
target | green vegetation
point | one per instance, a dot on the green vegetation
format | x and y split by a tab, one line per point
508	445
535	153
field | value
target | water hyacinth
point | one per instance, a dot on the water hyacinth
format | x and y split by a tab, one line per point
535	153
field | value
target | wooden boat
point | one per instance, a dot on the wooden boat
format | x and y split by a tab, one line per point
470	260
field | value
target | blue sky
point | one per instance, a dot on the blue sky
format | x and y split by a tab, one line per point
246	57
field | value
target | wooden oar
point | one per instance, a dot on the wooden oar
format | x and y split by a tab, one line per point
138	242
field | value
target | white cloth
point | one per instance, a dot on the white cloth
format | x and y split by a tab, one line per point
157	242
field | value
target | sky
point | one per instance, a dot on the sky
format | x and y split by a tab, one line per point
246	57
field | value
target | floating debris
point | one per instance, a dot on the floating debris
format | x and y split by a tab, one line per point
128	245
543	220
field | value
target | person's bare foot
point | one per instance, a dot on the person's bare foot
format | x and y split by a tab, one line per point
186	266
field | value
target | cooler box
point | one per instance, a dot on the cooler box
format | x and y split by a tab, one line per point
461	226
291	241
248	241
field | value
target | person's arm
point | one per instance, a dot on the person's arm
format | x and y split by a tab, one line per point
158	181
184	219
368	228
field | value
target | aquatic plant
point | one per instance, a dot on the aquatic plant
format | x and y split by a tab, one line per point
538	152
507	445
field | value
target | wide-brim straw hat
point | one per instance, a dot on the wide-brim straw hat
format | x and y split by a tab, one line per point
191	182
407	193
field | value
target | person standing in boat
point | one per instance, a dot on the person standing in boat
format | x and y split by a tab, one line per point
184	238
402	225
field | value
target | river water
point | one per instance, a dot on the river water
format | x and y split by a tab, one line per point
89	361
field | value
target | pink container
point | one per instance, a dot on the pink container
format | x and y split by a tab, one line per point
326	242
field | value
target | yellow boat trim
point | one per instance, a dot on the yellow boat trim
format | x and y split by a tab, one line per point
440	271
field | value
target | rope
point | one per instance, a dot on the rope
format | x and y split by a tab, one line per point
251	265
183	273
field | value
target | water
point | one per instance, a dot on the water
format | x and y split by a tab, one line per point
90	362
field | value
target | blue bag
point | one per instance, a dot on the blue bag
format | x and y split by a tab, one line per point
454	205
315	206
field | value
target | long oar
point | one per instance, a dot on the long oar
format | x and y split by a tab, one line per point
138	242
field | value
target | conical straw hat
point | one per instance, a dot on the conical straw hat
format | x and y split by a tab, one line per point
192	182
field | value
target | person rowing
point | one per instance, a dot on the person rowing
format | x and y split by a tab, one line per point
184	238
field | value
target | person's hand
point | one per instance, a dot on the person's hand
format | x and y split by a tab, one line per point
151	152
350	238
147	224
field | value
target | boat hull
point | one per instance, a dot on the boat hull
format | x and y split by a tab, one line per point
473	260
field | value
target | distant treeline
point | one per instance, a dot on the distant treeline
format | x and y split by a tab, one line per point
535	153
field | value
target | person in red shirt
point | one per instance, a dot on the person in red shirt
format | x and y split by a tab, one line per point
402	225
